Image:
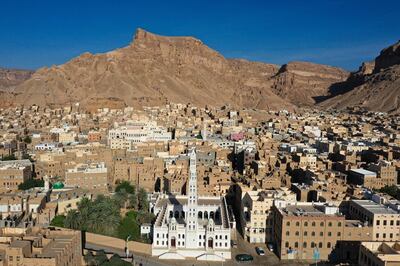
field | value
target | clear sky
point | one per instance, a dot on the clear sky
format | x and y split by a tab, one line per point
337	32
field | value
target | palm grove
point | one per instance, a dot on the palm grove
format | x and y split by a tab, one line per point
103	214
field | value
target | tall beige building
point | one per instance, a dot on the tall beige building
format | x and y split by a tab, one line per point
13	173
256	213
302	229
41	247
88	176
385	222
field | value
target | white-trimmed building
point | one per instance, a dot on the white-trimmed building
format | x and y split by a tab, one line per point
191	225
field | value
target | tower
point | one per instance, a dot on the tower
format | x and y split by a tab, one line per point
204	133
191	217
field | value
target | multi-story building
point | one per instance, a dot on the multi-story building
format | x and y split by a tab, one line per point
137	132
302	230
386	174
379	253
363	177
88	176
42	247
14	173
385	221
191	226
256	213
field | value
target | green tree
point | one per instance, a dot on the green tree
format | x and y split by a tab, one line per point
73	220
129	227
101	258
125	185
393	191
30	183
121	197
10	157
27	139
116	260
58	221
143	201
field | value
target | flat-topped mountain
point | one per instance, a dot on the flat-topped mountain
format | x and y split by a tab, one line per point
155	69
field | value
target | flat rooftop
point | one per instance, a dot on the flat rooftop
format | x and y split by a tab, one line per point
362	171
307	210
374	207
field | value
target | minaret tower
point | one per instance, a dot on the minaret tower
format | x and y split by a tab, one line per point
191	217
204	131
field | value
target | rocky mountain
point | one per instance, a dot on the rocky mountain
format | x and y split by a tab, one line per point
156	69
303	83
153	70
375	86
10	78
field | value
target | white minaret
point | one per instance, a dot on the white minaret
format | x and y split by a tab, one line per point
191	217
204	131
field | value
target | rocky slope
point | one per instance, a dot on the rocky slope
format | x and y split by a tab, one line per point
304	83
155	69
10	78
375	86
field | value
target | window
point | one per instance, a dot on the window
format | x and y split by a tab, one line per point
384	222
378	222
384	235
329	245
321	233
321	224
320	245
305	223
312	233
330	224
312	244
287	223
305	233
287	244
287	233
296	244
391	222
339	224
329	233
297	233
377	235
313	224
338	234
297	224
304	244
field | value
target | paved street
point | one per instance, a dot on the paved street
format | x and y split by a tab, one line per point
243	247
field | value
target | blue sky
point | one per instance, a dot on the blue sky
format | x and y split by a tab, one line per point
340	33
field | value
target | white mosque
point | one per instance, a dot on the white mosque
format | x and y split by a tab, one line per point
192	226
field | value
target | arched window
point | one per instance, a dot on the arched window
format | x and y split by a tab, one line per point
320	245
296	244
304	244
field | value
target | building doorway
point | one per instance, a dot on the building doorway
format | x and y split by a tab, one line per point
173	242
210	243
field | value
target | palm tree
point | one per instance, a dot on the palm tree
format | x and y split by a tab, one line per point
73	220
143	201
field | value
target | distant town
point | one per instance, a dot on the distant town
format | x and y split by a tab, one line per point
179	184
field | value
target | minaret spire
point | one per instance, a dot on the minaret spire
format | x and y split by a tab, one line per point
191	218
